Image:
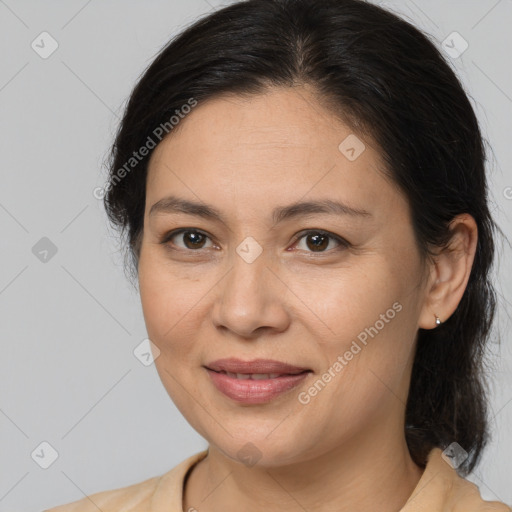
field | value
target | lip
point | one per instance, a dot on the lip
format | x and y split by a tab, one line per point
250	391
234	365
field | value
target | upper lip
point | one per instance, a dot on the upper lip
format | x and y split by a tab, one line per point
262	366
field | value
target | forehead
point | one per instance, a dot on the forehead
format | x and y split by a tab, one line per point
283	118
273	147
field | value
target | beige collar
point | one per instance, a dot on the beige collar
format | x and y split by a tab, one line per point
440	489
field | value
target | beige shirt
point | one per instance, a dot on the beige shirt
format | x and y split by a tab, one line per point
440	489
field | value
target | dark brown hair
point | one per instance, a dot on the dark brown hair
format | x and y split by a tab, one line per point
385	79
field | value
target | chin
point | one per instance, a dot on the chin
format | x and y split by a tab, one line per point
250	449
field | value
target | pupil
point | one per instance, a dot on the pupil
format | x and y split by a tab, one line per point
196	239
316	238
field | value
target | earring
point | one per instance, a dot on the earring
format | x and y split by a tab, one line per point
438	320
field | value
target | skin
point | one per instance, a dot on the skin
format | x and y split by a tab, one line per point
345	450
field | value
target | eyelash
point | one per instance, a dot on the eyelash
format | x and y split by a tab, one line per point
343	244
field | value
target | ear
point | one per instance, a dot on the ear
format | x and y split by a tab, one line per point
449	274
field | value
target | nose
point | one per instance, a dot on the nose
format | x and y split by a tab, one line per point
250	300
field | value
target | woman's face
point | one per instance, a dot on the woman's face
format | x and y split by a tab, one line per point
344	303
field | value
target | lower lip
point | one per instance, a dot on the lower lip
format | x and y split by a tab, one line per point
249	391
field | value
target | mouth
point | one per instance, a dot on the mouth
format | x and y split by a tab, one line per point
256	367
257	376
255	382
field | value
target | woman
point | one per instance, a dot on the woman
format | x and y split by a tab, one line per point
302	188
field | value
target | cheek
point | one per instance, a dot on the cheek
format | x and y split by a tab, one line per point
171	304
365	316
346	300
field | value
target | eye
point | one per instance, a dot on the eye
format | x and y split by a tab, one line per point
191	239
319	240
316	241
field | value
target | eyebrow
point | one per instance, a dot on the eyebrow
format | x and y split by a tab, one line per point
173	204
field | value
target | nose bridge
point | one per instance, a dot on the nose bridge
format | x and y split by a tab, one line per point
245	288
249	295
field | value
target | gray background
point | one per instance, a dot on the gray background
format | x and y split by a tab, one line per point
68	375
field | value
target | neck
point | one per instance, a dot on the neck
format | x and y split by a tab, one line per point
378	476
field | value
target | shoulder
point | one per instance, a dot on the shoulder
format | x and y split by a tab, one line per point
132	497
441	488
466	497
154	494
